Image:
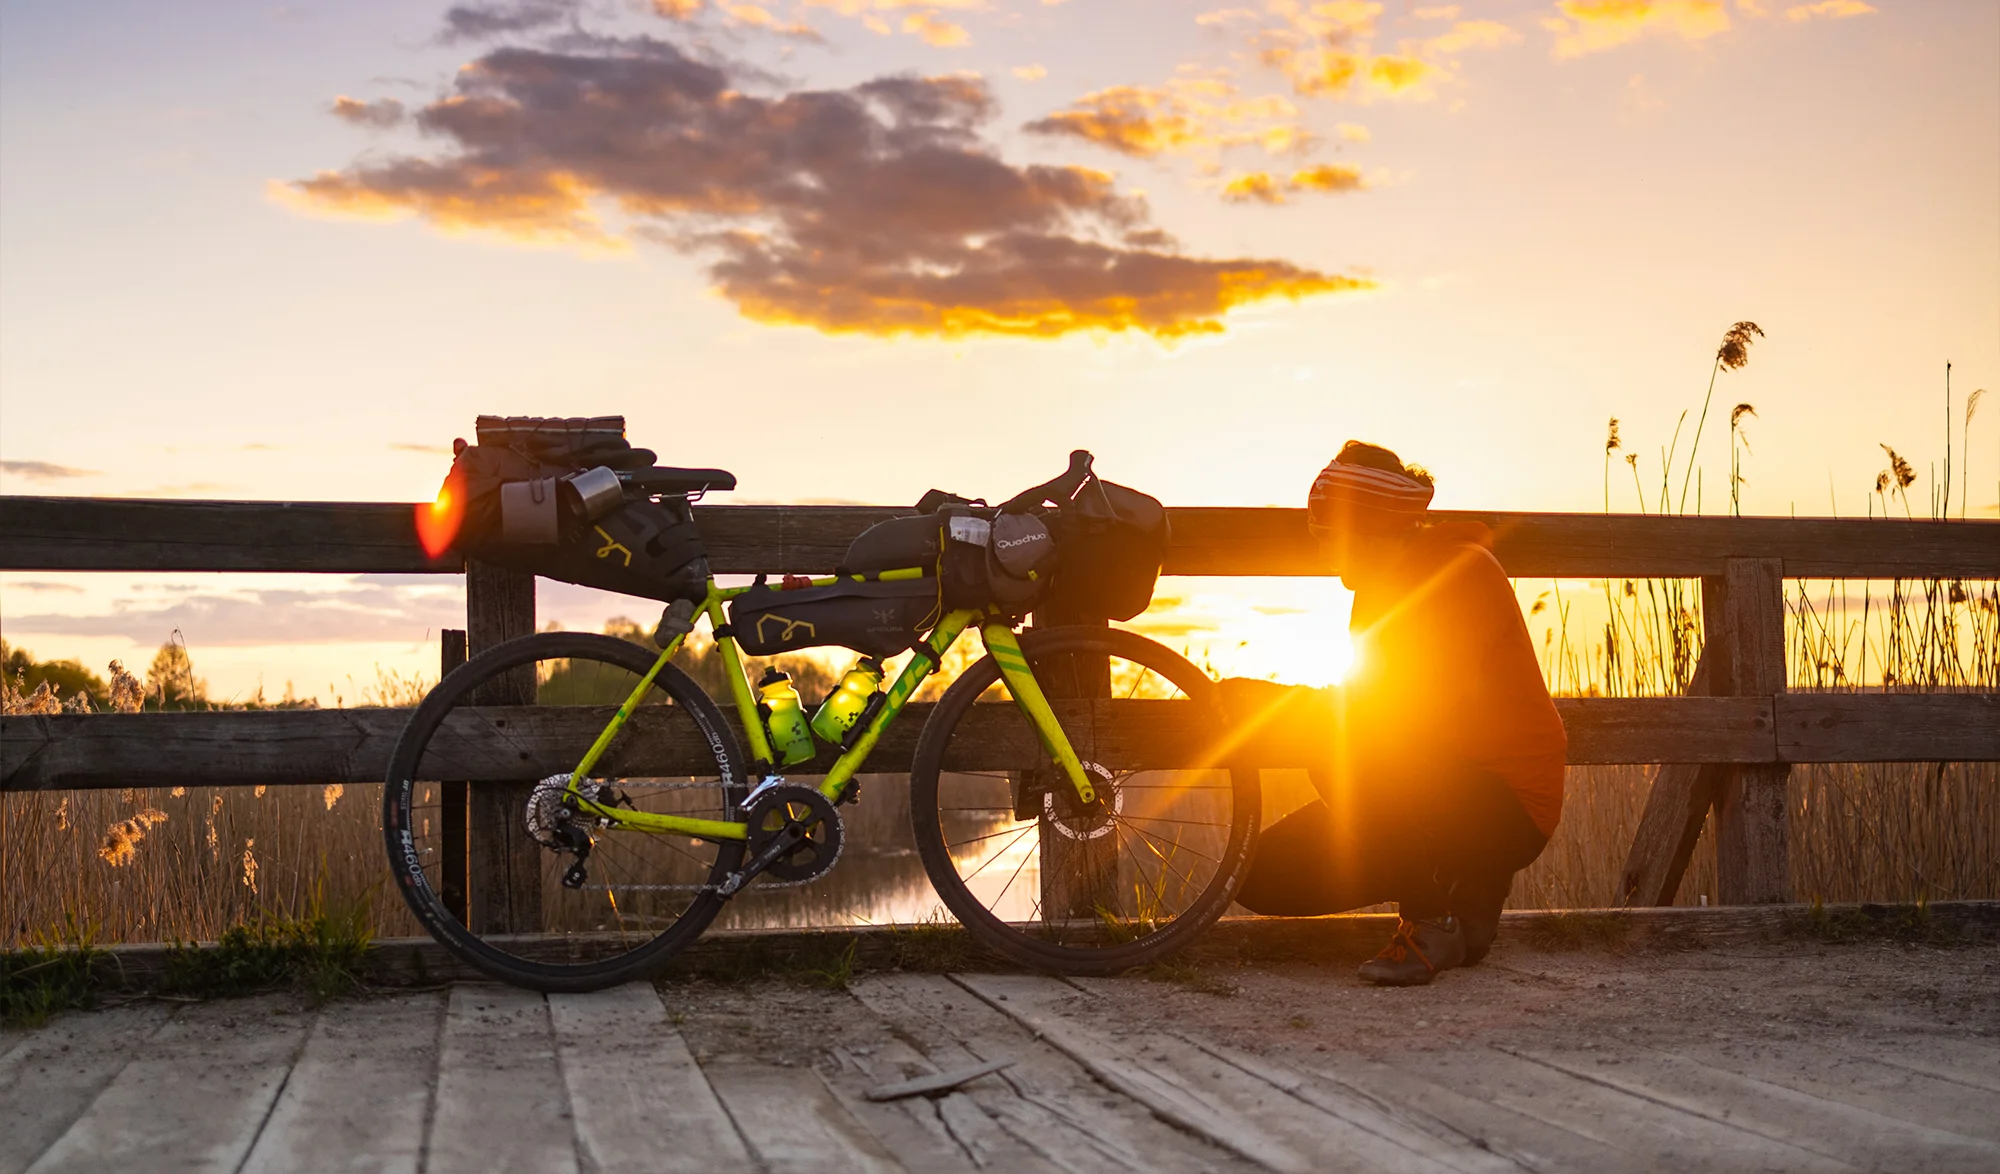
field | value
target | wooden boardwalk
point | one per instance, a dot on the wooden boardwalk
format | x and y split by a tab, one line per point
1861	1057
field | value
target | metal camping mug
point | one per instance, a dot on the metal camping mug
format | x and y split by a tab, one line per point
599	491
528	512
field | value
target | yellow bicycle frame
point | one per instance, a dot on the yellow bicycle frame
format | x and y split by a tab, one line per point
997	634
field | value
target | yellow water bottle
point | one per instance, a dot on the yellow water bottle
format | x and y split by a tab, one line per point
791	739
850	701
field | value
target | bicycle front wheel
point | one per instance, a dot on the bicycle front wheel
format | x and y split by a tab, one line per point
1049	882
474	787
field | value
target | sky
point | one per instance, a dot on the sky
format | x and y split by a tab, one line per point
853	249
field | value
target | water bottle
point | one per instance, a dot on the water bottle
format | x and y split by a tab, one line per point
850	701
791	738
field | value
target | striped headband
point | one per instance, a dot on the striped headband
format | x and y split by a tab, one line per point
1344	495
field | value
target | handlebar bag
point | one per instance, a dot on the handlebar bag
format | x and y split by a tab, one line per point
1112	540
872	617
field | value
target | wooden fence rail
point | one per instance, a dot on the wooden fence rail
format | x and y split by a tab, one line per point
1728	749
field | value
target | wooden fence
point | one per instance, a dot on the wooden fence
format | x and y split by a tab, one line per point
1729	749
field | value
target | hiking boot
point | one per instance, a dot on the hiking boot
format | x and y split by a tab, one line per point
1417	952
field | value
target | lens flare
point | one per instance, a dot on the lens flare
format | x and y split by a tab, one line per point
438	521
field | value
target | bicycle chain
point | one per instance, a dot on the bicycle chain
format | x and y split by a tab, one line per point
765	881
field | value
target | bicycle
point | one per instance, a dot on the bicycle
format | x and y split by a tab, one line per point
1083	828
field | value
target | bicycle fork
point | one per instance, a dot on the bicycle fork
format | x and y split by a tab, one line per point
1005	648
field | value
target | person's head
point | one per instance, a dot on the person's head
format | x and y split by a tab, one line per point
1365	506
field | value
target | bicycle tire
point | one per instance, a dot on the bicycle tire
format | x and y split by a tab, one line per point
565	958
1043	945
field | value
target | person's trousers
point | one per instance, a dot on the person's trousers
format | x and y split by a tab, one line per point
1436	840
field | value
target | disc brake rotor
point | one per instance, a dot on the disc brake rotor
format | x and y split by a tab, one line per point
1078	820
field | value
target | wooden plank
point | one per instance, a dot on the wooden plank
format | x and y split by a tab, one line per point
1677	806
1232	1108
1888	727
1044	1100
1654	1136
315	747
1846	1133
110	534
500	1104
624	1064
1751	806
193	1097
53	1073
794	1124
912	1130
1418	1133
357	1098
1849	1076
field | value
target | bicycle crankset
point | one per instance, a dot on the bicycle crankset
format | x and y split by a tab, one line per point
795	835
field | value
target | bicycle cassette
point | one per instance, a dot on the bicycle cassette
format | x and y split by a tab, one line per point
786	808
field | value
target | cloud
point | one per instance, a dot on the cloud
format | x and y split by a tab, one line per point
381	115
1259	187
876	209
1327	50
43	470
1590	26
44	585
360	610
935	30
1186	115
1830	9
1030	73
480	22
429	450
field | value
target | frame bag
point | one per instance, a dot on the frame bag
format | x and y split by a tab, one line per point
871	616
1113	540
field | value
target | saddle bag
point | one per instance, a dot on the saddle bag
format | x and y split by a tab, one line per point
871	616
528	505
1113	540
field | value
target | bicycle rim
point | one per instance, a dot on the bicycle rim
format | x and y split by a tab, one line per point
471	857
1049	883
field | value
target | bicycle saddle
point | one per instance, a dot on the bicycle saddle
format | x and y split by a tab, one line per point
660	479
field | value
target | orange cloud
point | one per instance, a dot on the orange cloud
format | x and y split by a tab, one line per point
1263	188
1030	73
1830	9
1328	49
1187	115
380	115
878	209
1588	26
935	30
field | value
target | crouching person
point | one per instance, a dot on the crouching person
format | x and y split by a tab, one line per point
1439	761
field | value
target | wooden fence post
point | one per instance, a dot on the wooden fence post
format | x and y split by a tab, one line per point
1078	875
451	800
505	877
1751	806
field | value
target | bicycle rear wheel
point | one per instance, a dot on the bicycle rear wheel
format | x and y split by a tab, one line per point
1046	881
472	857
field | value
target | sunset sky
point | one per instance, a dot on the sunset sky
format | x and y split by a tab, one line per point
852	249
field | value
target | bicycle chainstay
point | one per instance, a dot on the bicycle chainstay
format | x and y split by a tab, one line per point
764	880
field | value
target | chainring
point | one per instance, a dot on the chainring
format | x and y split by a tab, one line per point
789	805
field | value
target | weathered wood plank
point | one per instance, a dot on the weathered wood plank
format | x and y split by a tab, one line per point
1846	1076
109	534
1752	837
1888	727
1226	1105
315	747
356	1100
500	1104
193	1097
54	1073
622	1061
794	1124
503	868
1832	1129
1043	1099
